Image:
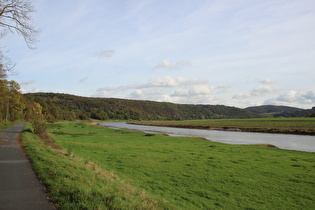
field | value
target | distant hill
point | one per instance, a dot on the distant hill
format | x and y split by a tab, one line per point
57	106
271	109
280	111
69	107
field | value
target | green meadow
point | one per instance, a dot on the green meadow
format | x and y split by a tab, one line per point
102	168
295	125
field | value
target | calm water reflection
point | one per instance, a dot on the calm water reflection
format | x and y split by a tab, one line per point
284	141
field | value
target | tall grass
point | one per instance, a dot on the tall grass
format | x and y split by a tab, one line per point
191	173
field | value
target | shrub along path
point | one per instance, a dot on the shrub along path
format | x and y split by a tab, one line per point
19	186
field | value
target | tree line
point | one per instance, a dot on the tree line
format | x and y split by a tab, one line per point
281	111
16	17
57	106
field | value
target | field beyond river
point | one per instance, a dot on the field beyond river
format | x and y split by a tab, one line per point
295	125
91	167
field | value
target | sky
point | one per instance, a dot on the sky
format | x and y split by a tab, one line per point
238	53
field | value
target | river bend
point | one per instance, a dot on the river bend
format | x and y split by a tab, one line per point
284	141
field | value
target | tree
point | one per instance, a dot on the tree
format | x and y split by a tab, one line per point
2	71
15	16
5	66
39	123
11	102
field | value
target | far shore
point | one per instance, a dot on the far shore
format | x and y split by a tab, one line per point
248	128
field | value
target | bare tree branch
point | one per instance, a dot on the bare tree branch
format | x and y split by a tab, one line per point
5	66
15	16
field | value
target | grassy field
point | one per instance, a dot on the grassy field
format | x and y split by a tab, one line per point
77	183
102	168
272	125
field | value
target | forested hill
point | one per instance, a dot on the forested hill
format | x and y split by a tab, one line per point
280	111
69	107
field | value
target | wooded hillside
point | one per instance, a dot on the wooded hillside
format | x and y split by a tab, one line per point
14	105
55	106
280	111
69	107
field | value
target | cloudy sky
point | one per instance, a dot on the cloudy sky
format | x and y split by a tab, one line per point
232	52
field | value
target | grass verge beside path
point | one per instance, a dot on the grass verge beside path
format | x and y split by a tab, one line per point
189	173
77	183
9	124
270	125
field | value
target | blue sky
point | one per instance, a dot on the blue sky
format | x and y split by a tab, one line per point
232	52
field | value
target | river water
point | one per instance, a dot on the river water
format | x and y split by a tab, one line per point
284	141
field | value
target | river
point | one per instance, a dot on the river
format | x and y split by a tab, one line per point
283	141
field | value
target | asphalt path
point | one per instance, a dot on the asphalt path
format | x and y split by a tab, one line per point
19	186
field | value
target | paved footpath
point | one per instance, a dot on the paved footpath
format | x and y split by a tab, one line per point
19	186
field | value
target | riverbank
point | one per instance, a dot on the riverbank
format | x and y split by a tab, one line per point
300	126
164	172
284	141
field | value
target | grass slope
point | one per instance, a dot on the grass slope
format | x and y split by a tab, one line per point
272	125
189	173
75	183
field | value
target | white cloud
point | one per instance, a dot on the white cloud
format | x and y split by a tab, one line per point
201	90
137	94
84	79
181	92
166	82
268	81
169	82
25	83
196	90
105	54
276	96
223	88
165	64
173	66
259	91
288	97
149	94
263	90
241	96
34	90
294	98
309	95
108	91
177	90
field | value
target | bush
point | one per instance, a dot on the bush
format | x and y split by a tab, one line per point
39	127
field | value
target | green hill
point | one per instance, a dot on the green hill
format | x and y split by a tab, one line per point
69	107
280	111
